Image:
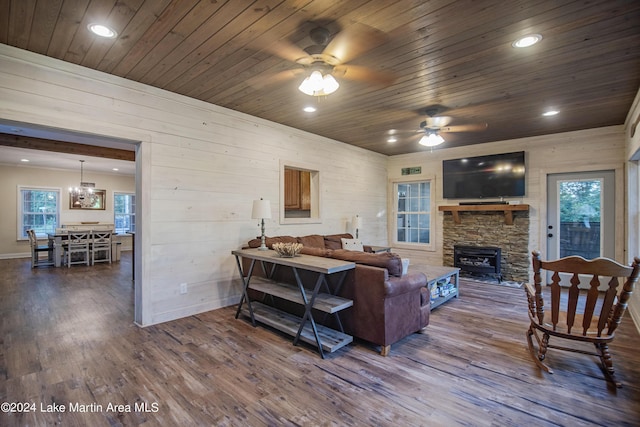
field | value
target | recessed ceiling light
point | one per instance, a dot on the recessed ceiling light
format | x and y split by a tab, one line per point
309	109
115	169
24	160
392	139
526	41
550	113
102	30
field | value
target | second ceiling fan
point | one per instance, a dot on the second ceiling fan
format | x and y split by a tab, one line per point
432	128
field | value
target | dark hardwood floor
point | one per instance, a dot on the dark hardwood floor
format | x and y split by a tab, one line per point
68	339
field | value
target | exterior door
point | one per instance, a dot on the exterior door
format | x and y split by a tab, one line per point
580	215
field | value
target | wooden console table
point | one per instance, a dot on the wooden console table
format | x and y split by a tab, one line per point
507	209
302	328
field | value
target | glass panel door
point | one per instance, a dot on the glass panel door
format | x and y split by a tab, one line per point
581	215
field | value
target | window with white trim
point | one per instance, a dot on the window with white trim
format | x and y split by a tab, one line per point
124	212
413	217
38	209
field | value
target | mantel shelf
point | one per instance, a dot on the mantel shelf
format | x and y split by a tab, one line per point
507	209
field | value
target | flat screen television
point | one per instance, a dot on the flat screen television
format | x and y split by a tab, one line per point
496	175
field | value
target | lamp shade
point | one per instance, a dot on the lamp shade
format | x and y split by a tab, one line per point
261	209
357	222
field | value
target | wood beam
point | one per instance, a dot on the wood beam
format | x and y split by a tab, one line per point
32	143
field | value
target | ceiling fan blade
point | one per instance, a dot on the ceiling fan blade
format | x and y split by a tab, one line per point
465	128
365	74
261	81
408	132
353	41
438	122
283	49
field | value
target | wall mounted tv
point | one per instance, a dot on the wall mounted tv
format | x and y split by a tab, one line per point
496	175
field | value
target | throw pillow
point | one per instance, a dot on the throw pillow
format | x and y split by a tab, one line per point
333	241
405	266
352	244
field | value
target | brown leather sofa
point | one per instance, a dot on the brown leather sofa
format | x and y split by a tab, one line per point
387	306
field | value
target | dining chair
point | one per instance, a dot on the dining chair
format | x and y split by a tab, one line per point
36	250
101	247
587	300
77	249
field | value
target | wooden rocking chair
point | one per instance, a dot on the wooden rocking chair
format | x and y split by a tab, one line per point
587	314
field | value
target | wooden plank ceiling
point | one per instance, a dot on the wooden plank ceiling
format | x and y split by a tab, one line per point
452	55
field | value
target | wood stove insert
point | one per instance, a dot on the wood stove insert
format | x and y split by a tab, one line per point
478	260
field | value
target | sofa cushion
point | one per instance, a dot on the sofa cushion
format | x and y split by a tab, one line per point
269	241
389	260
352	244
334	241
312	241
315	251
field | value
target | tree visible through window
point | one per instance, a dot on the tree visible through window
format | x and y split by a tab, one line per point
413	218
39	210
580	217
124	209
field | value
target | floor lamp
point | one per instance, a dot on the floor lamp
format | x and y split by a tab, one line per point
261	210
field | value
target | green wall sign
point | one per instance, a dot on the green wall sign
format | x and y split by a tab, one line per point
416	170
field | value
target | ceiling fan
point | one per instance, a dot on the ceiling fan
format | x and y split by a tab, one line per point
326	59
434	125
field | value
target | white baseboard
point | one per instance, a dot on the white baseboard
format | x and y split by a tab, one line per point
16	255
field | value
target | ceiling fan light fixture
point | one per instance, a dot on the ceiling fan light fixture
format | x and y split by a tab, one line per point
318	85
431	140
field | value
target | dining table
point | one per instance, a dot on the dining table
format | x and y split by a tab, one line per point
57	241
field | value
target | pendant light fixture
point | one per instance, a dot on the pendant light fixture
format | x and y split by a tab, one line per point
83	196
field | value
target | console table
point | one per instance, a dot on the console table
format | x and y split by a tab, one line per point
302	328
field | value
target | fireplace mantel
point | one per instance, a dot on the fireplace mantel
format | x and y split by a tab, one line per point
507	209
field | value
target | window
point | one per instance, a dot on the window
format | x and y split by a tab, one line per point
299	194
413	217
39	209
124	212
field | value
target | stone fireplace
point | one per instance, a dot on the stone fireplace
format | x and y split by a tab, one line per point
494	228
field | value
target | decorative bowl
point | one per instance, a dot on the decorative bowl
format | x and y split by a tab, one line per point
287	250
